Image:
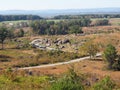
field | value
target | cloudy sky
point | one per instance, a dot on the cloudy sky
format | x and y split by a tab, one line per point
56	4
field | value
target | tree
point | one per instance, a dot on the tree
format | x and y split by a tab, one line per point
110	54
75	29
91	49
3	35
21	33
11	33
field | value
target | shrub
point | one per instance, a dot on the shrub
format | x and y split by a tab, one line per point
66	84
110	55
105	84
72	81
90	48
116	65
16	81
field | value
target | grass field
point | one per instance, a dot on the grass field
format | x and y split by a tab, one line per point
13	57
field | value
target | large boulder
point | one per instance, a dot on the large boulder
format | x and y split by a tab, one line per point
65	41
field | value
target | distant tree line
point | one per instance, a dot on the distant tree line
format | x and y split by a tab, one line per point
87	16
44	27
18	17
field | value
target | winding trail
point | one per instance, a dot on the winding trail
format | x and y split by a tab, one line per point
61	63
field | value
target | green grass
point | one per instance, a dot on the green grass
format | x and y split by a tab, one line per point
14	22
55	20
115	21
16	82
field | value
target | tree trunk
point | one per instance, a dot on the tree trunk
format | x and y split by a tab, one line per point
110	65
2	45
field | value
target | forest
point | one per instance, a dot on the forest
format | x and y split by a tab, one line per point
87	16
18	17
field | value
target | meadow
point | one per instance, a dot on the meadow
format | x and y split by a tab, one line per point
18	53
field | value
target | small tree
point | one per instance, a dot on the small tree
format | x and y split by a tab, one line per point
91	49
76	29
21	33
11	33
3	35
110	54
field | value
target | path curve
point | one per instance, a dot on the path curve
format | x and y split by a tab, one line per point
61	63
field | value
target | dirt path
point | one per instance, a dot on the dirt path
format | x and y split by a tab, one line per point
61	63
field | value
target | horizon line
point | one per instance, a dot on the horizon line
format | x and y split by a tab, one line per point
57	9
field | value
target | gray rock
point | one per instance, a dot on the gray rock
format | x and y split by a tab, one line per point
59	42
88	83
62	47
65	41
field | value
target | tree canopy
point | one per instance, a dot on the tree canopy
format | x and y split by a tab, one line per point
3	35
19	17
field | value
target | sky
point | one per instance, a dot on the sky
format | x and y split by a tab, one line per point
56	4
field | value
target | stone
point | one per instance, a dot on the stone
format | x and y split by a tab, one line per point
62	47
88	83
65	41
59	42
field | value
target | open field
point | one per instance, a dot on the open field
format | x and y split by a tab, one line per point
19	53
112	21
95	69
13	57
13	22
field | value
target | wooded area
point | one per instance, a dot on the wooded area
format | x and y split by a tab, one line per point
18	17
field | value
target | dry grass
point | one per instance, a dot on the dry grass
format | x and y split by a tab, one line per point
95	69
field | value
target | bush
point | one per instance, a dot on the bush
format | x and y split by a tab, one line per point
105	84
116	65
66	84
110	55
16	81
72	81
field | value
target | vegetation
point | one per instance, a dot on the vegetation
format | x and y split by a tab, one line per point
100	22
18	17
59	28
90	48
71	81
110	55
14	79
3	35
105	84
19	53
20	33
23	57
11	80
87	16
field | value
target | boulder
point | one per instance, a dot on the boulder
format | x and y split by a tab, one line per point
61	47
59	42
65	41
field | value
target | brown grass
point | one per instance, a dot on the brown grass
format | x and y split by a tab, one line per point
91	68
